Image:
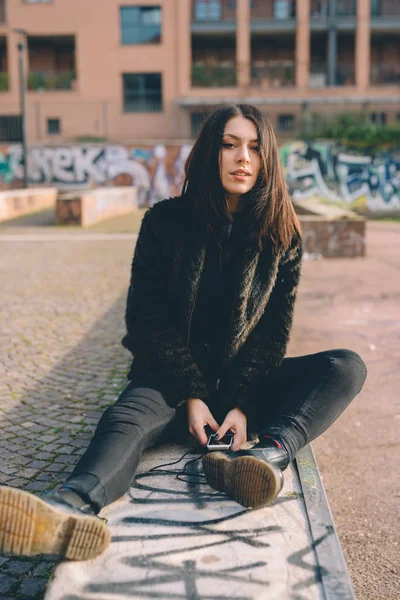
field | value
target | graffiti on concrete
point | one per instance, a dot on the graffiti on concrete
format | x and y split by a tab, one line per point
6	172
157	172
313	169
181	539
356	181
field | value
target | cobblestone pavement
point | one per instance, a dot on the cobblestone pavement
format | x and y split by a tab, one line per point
61	363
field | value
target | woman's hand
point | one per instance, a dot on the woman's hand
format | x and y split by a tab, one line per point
199	416
236	421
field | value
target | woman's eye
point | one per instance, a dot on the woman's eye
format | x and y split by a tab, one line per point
230	145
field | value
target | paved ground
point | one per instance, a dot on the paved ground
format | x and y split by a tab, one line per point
355	304
43	221
61	364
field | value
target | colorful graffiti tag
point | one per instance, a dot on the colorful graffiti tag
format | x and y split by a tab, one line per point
157	172
323	170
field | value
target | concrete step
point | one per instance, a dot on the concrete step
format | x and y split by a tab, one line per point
175	539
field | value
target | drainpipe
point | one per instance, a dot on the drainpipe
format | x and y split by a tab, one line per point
332	43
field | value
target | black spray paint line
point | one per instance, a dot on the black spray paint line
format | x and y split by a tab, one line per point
149	562
205	531
164	553
173	522
173	596
175	574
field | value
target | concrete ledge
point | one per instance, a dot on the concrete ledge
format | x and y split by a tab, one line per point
176	539
90	206
314	206
333	238
15	203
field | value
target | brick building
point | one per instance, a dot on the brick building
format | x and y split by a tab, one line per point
139	71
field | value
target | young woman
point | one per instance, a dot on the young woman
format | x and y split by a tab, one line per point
209	311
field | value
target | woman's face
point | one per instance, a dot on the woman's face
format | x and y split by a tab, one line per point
239	159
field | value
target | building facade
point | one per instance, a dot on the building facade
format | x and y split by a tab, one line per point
147	71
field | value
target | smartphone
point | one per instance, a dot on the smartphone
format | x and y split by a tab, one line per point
224	443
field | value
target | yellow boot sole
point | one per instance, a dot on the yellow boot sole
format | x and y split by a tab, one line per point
248	480
30	526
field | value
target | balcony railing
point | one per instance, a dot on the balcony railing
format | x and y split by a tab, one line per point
346	8
51	81
276	10
319	9
385	8
4	82
275	74
384	75
344	75
318	76
213	10
213	76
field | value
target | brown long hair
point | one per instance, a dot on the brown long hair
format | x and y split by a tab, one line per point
267	207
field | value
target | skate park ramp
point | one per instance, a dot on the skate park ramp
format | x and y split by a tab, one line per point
174	539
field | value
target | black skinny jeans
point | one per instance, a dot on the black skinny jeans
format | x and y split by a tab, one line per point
303	397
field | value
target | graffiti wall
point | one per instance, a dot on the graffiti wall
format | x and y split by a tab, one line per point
157	172
367	184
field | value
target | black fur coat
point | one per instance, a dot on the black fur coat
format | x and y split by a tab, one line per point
166	269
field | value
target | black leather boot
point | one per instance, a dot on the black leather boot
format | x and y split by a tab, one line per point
30	525
253	477
272	450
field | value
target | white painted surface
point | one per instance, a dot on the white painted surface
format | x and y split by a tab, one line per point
176	540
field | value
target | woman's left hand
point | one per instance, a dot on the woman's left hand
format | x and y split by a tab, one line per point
236	421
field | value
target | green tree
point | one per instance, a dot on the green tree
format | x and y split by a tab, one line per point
353	130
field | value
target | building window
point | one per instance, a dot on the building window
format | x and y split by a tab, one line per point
140	25
285	122
378	118
208	10
142	92
53	126
10	128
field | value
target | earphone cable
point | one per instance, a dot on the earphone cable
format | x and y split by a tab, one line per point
181	473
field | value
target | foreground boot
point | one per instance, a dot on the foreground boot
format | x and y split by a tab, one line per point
253	478
30	525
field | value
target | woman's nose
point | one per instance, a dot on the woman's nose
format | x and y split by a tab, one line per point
243	154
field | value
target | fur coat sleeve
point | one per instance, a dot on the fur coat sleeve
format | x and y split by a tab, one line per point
265	346
151	336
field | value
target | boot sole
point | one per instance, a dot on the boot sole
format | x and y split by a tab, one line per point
250	481
30	526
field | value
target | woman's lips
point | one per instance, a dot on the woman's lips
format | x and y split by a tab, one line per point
239	177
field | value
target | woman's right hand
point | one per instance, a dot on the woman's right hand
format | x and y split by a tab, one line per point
199	416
